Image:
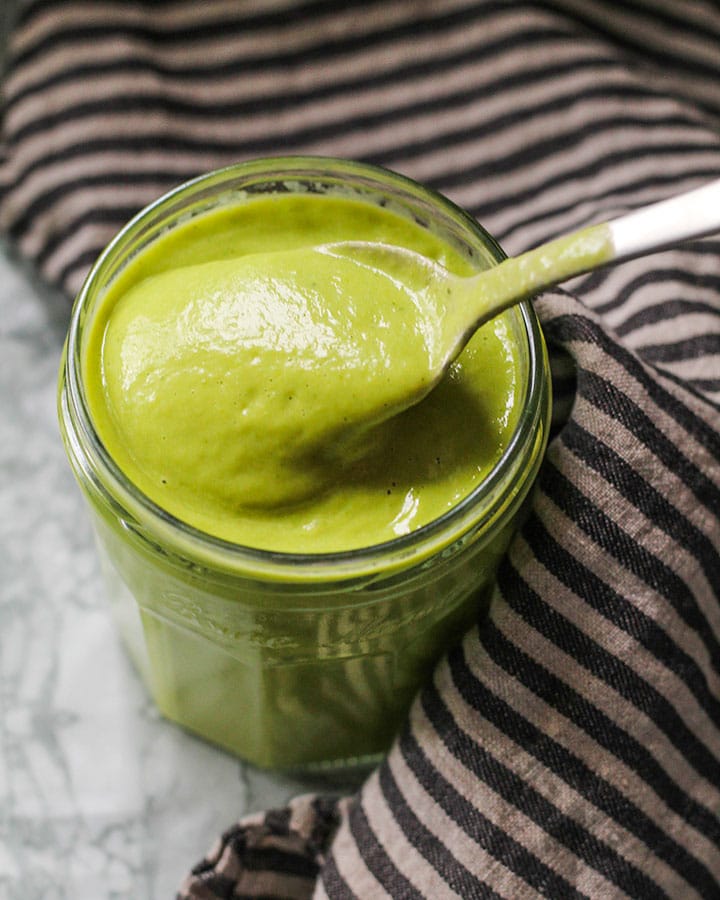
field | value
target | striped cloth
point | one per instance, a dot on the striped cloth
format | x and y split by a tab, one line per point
570	746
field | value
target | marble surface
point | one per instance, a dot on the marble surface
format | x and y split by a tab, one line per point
100	798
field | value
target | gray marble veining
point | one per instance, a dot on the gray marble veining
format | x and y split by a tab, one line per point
100	798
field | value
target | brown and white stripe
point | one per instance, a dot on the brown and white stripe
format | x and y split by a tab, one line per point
570	746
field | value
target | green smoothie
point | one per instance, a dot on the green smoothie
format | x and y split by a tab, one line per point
257	387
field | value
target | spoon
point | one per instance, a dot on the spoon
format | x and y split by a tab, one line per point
461	304
313	347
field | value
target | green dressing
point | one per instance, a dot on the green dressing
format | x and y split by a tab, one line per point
251	385
185	381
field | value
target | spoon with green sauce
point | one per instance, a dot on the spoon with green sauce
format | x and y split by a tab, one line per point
285	364
460	305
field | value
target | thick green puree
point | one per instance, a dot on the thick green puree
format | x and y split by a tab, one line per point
252	386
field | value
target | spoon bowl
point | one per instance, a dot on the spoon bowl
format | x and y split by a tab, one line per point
459	305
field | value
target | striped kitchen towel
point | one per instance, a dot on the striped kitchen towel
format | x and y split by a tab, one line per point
570	745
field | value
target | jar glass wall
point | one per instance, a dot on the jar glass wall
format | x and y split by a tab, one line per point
296	660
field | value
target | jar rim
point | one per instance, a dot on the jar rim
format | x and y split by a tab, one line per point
187	540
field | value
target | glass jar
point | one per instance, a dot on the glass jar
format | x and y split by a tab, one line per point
296	661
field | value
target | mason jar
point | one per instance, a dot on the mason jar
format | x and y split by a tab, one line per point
296	660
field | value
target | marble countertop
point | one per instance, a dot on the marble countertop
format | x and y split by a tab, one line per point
100	798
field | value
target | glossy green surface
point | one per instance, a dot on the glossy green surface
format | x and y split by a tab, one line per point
250	384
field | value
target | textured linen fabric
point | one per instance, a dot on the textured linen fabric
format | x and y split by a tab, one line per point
570	746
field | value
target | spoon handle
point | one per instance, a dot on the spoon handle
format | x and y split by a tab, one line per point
643	231
694	214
